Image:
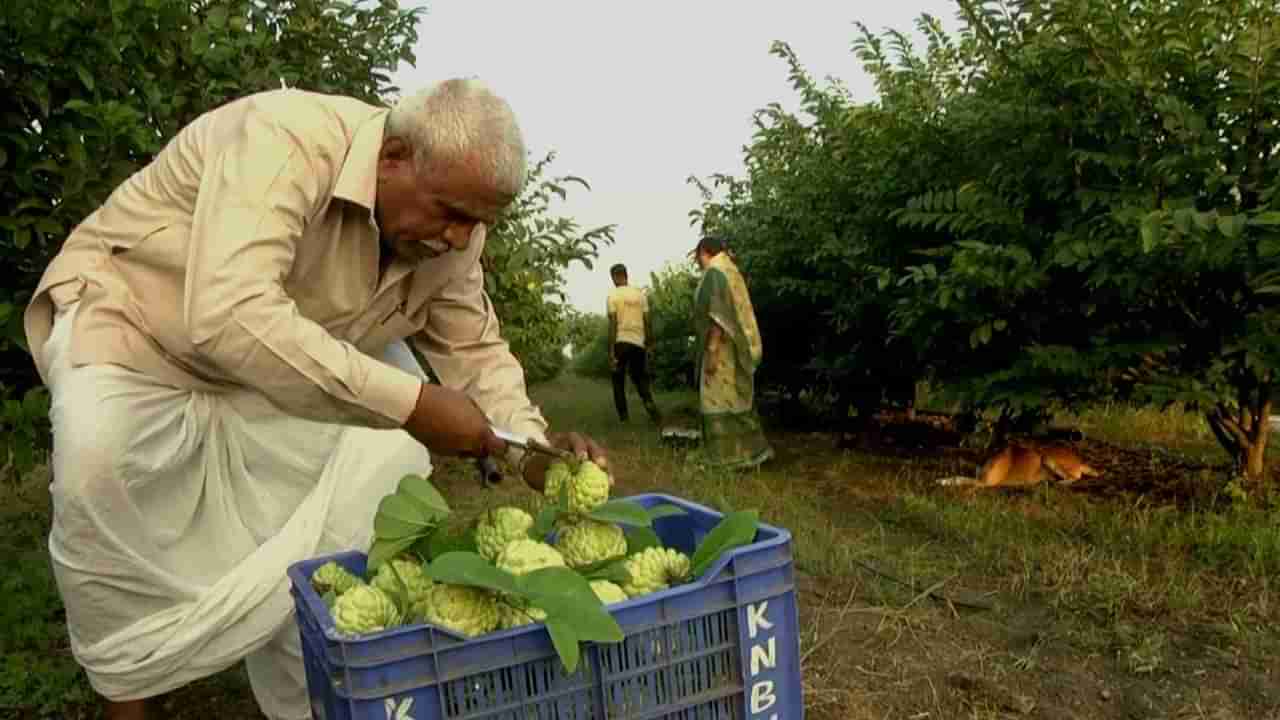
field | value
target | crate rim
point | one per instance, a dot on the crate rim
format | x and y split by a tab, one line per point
315	605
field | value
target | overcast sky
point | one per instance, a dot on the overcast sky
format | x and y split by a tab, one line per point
635	97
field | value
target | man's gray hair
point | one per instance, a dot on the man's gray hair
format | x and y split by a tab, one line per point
459	119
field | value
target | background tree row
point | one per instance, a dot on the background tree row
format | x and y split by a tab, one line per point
1062	202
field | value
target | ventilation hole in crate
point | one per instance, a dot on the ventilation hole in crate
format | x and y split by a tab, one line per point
667	665
535	690
722	709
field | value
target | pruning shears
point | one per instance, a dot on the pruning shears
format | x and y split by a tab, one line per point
489	473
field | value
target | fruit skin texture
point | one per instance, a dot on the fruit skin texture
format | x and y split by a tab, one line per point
608	592
461	608
588	487
526	555
500	526
364	609
332	576
588	542
516	614
415	578
654	569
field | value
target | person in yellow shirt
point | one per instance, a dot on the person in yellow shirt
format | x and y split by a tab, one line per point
226	341
630	331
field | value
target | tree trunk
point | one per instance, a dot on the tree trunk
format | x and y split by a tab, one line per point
1243	432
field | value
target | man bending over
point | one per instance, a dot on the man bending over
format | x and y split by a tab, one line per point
224	340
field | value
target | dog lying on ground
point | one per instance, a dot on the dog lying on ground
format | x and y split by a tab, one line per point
1027	466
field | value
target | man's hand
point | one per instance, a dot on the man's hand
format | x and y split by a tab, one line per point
448	422
535	470
613	360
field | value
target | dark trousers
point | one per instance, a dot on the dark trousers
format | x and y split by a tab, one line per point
631	361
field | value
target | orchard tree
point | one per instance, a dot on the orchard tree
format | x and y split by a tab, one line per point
528	250
811	223
1132	227
1068	201
89	92
671	295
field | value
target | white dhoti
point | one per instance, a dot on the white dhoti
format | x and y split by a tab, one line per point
177	514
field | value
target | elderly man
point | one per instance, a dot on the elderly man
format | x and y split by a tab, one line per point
224	342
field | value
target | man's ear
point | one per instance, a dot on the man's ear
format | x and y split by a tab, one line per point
394	153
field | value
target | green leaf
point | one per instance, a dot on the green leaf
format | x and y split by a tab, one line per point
1231	225
564	594
734	530
565	641
421	489
442	541
466	568
544	522
615	571
401	516
622	512
1271	217
383	549
641	538
86	77
1148	237
400	595
658	512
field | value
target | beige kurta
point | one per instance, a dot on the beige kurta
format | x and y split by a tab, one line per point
246	255
227	384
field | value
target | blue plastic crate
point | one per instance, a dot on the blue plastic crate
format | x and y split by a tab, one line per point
725	646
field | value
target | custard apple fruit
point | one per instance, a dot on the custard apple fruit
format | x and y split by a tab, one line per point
588	542
608	592
415	578
333	577
526	555
500	526
654	569
515	614
588	487
461	608
364	609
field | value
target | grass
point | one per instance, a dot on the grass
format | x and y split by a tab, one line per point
1110	592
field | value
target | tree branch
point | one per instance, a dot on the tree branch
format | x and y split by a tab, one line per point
1227	430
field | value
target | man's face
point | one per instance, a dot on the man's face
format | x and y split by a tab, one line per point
426	215
619	279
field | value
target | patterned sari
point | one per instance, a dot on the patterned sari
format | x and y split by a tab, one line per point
731	430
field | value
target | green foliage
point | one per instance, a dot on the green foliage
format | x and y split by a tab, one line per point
1065	202
581	329
93	91
37	674
406	518
574	613
671	290
529	248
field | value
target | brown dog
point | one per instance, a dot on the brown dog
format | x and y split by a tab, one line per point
1026	466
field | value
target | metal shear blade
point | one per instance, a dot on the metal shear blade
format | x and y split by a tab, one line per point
526	443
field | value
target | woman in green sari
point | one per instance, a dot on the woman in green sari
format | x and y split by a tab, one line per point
729	351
